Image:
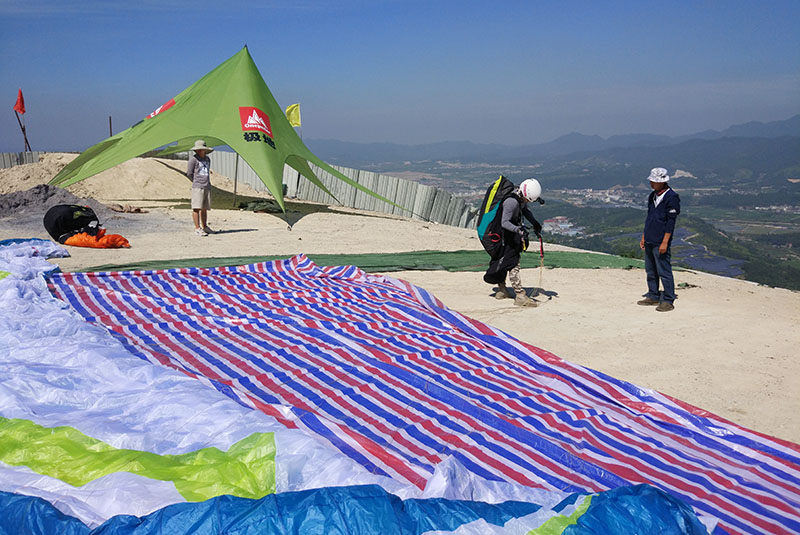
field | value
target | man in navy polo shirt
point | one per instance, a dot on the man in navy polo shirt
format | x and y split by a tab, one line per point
663	207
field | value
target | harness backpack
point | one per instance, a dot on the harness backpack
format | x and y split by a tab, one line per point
490	231
64	220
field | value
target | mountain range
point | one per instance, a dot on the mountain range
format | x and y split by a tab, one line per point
356	154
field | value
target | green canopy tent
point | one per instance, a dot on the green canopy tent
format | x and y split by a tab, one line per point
231	105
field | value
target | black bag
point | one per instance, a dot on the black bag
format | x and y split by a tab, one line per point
490	231
65	220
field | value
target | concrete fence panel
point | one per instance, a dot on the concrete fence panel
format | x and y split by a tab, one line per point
291	179
333	184
390	192
365	201
347	193
406	193
439	210
423	202
12	159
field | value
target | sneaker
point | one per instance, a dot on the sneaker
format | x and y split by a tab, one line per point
200	232
207	230
665	307
647	302
525	301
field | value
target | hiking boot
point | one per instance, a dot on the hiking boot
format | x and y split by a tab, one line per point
647	302
200	232
665	307
525	301
502	292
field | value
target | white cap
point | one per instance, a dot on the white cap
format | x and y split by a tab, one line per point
530	189
658	174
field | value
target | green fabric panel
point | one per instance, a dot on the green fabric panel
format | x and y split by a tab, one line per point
246	470
210	109
411	261
557	524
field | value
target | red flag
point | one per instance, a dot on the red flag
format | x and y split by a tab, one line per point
19	107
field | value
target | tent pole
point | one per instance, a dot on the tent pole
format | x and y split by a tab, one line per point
235	178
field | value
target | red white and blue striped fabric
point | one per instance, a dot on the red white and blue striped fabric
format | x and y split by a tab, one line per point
392	378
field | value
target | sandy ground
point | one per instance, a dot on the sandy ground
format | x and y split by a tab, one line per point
730	346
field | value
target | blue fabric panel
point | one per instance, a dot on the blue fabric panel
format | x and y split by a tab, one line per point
29	515
358	510
637	509
353	510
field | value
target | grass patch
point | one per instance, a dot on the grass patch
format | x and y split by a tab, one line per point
475	261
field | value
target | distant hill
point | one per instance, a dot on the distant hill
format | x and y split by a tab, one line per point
788	127
727	161
357	154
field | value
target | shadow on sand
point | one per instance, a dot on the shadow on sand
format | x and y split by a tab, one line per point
532	292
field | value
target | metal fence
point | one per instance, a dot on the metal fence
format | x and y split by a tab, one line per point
418	201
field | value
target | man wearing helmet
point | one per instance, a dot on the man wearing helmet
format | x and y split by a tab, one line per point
515	240
663	207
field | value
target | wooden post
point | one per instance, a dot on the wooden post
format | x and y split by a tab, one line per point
24	134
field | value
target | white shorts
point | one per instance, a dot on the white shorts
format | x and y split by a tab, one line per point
201	198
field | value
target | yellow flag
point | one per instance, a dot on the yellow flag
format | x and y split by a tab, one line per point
293	114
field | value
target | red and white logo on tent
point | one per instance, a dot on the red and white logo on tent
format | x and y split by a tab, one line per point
164	107
254	119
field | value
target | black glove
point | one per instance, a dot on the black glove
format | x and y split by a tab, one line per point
537	227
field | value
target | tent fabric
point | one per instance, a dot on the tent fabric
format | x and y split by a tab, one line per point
385	374
409	261
367	510
231	105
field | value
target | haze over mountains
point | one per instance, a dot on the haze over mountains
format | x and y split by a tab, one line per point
339	152
752	155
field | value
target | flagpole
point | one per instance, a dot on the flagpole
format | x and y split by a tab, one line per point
24	135
297	185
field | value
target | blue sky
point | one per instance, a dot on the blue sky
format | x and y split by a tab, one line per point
408	71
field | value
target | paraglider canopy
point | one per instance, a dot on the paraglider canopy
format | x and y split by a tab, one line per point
231	105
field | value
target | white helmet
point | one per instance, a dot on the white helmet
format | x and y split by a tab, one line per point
530	189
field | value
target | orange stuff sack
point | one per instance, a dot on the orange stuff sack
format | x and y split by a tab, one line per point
101	241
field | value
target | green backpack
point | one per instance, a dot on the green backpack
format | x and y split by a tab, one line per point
490	231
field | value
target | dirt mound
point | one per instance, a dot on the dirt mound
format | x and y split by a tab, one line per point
138	179
38	199
23	177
